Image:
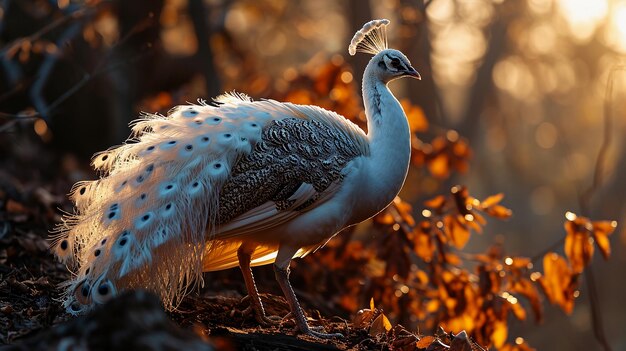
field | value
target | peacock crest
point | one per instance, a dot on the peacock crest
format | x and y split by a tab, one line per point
371	39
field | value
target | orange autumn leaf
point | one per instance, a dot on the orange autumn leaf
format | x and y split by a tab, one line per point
558	282
363	318
380	325
478	218
302	97
492	200
578	246
457	231
425	341
415	115
499	334
527	289
452	259
518	310
601	232
436	203
499	211
384	218
404	210
424	245
439	166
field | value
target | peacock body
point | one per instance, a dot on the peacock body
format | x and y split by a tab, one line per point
236	182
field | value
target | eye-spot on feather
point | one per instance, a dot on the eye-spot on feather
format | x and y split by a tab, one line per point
227	141
103	290
140	178
114	213
189	113
168	210
144	220
97	252
122	246
213	120
167	189
64	251
85	290
195	188
216	169
75	307
150	148
121	186
168	145
104	241
186	151
82	292
150	168
202	141
141	199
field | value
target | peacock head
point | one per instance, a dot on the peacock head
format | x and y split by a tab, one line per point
387	64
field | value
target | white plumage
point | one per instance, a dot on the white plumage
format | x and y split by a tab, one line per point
239	182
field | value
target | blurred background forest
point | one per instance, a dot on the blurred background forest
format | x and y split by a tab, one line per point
513	100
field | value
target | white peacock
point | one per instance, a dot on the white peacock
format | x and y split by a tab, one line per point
237	182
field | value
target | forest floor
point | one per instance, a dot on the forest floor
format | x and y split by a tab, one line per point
31	316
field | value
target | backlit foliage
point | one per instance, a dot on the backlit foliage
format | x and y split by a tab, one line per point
415	267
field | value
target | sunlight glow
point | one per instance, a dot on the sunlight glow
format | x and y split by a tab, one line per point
615	33
583	16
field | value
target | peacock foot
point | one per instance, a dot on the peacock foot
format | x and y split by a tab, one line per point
256	308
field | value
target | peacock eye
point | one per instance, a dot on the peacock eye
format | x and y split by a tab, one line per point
395	63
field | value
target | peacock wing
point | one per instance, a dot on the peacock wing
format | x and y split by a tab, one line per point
297	165
143	224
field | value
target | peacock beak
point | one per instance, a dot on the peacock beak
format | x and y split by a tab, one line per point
411	72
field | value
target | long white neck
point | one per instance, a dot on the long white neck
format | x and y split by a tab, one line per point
390	143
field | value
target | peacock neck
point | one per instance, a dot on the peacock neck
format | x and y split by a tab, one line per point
390	143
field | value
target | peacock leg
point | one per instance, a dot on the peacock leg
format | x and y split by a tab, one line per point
281	269
244	253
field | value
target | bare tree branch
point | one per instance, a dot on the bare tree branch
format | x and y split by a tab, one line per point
198	14
598	174
36	91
